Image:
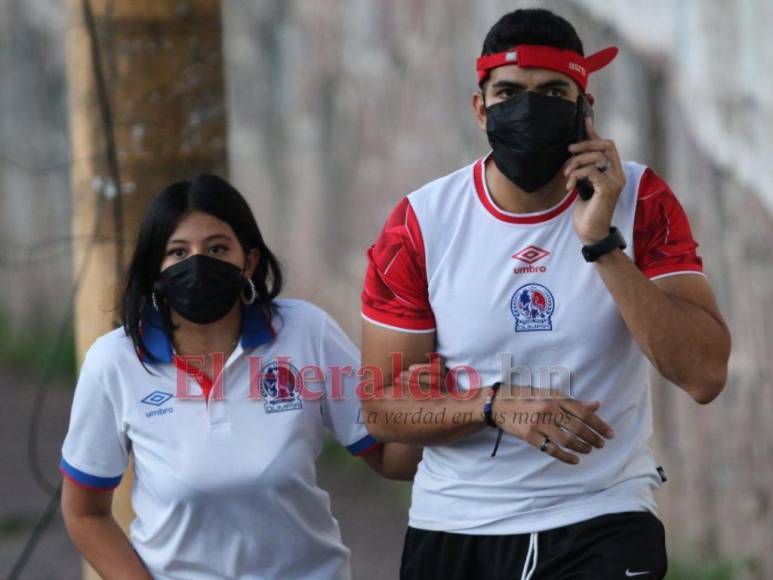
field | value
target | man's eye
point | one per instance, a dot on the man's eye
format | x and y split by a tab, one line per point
506	94
555	93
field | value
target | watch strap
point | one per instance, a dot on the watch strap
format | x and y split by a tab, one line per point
614	240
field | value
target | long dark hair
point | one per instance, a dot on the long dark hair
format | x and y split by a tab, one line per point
209	194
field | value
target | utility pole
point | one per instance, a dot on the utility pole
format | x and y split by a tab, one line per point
146	108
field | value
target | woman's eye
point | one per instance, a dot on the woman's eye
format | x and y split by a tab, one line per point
176	253
217	249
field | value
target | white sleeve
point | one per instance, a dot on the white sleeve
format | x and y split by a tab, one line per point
341	408
95	450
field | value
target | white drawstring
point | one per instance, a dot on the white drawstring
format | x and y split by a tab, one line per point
530	553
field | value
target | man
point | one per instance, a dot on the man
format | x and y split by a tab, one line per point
506	272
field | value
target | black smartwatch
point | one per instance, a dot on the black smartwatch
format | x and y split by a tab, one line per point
614	240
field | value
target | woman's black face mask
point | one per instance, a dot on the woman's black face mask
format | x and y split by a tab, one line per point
530	137
201	289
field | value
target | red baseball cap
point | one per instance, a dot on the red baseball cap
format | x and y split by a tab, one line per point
571	63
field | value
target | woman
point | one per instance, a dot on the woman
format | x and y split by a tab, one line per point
222	392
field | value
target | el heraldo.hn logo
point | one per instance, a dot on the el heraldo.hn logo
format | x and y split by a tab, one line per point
530	255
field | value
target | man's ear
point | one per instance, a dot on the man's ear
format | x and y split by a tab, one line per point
591	99
479	109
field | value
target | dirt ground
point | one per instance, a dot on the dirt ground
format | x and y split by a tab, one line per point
372	512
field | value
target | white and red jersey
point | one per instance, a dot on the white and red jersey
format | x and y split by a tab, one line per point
510	294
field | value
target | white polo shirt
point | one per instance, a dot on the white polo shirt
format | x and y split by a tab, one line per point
224	487
511	292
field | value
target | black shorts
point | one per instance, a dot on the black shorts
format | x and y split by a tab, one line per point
609	547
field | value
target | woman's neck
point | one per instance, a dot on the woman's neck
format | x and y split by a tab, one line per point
202	339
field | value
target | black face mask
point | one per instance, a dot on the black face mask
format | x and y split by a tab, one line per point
530	135
201	289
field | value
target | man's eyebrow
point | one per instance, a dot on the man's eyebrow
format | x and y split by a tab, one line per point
551	84
505	84
207	239
554	84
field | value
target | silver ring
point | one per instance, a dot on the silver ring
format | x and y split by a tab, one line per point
544	446
604	168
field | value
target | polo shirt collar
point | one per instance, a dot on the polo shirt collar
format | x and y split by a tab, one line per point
256	330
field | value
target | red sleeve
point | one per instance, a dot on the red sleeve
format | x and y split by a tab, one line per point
662	239
395	291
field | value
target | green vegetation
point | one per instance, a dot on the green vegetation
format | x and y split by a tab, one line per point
335	453
719	570
13	525
29	349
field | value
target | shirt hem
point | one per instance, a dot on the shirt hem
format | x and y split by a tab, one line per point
657	276
519	524
397	328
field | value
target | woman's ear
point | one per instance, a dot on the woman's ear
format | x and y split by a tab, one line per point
251	263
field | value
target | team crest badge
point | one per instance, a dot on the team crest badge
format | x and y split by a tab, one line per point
279	387
532	306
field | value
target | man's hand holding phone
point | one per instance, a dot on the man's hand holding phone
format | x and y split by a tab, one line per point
598	161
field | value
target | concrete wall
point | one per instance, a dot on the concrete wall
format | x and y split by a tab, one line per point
337	109
35	256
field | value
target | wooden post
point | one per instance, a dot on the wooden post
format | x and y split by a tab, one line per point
155	116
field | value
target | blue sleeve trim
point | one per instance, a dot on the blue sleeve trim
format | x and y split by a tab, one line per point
86	480
362	446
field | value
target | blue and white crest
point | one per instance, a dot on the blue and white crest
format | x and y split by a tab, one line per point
279	387
532	306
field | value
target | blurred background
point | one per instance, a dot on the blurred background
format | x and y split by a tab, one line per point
324	113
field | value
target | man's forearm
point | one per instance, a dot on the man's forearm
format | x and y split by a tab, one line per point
398	416
684	342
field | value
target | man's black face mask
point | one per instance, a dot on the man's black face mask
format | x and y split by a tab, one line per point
530	137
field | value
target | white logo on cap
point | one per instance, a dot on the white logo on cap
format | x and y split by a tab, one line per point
578	67
511	56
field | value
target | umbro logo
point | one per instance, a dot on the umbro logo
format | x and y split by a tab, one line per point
157	398
529	255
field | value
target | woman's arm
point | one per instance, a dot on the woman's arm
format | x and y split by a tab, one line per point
394	460
100	540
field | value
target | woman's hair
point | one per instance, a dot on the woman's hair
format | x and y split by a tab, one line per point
208	194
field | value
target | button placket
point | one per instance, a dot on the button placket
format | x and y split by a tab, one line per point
205	383
215	408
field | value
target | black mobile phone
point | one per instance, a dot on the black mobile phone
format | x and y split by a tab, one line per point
584	109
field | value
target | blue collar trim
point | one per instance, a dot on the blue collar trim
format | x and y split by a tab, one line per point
256	330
